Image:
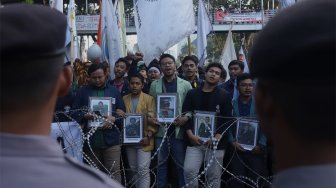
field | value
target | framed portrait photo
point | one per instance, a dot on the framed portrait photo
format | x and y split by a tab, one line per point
166	107
133	129
246	135
204	124
101	106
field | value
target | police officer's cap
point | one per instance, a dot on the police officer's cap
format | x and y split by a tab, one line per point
31	32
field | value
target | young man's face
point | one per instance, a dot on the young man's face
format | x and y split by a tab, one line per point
120	69
168	66
234	71
98	78
212	76
135	85
189	68
154	74
241	58
245	88
143	73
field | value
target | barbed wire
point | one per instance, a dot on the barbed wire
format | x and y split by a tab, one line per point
87	157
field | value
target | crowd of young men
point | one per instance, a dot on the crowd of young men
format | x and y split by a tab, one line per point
279	101
176	142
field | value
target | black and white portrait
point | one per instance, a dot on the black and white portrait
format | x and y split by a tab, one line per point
204	125
247	133
166	107
100	107
133	128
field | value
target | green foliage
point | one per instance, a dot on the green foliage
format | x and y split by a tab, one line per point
216	44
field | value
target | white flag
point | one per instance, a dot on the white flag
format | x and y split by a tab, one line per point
121	23
110	33
204	27
242	58
160	24
74	47
228	53
56	4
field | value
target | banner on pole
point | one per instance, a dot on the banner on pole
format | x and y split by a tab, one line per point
228	53
109	35
74	47
160	24
204	27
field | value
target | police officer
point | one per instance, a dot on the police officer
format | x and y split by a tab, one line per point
32	77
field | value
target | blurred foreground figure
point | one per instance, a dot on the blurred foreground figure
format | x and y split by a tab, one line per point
295	100
32	77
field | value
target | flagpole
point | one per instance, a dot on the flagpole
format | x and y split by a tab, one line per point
189	45
262	13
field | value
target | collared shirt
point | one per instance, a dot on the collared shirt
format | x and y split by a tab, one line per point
306	177
38	161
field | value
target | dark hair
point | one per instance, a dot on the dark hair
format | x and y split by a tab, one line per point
305	96
237	62
215	64
95	66
316	123
137	75
166	55
106	64
124	61
142	67
33	83
190	57
200	70
243	76
154	61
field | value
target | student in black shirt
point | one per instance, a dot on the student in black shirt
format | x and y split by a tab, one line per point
212	99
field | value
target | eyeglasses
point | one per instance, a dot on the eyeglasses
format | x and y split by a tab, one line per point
245	85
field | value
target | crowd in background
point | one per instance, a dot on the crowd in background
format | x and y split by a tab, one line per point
134	90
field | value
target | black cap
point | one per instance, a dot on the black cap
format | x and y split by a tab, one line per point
31	31
142	67
154	63
298	42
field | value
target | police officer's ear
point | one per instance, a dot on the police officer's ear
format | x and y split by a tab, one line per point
64	81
